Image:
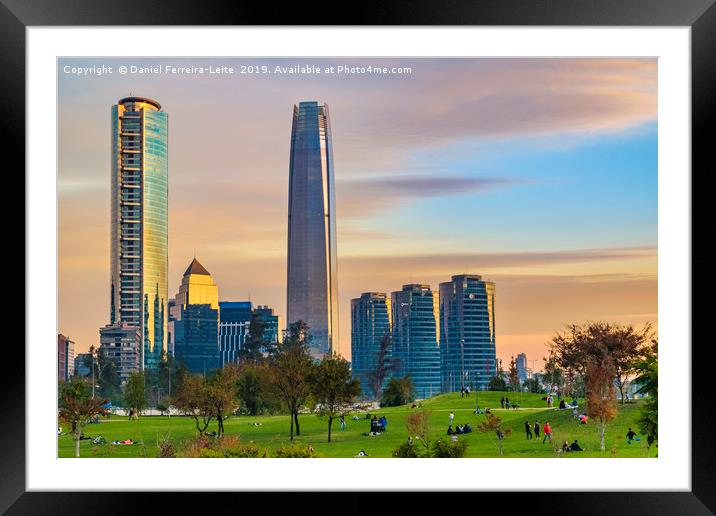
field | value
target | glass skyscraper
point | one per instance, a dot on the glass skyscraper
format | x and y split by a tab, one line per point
139	239
467	332
195	321
370	322
312	292
416	338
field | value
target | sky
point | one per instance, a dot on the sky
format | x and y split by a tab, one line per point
537	174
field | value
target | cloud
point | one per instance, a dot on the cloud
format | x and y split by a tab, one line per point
365	196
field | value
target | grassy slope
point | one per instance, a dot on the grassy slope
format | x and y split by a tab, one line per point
274	431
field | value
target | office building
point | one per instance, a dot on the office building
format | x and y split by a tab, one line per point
522	371
370	323
234	321
195	322
312	288
416	339
467	332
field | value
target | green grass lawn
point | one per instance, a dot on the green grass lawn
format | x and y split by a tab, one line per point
274	431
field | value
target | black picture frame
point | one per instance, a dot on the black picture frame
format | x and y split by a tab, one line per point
700	15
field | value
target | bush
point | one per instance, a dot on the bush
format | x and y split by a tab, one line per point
228	446
448	449
166	447
406	451
298	451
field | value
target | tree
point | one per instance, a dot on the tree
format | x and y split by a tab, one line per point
333	388
252	349
399	391
291	366
552	376
647	370
191	399
134	395
254	389
106	378
418	425
384	365
533	385
493	423
512	376
600	394
221	393
579	345
77	407
497	383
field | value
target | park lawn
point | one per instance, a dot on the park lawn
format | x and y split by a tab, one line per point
274	430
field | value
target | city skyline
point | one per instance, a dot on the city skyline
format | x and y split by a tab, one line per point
556	198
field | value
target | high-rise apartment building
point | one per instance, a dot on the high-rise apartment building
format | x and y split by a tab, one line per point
370	323
312	290
195	322
120	344
467	332
65	357
416	339
138	238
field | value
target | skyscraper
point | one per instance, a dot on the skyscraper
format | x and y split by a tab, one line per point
521	364
139	259
467	332
415	338
312	292
370	323
195	322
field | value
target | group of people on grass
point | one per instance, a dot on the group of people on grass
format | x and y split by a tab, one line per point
464	391
378	426
459	429
546	431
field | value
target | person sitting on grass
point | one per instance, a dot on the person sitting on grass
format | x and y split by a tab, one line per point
362	453
562	405
583	419
575	446
458	429
450	430
565	447
466	429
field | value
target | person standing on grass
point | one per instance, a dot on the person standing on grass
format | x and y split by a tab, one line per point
343	422
452	416
547	430
507	402
631	434
502	402
537	429
528	430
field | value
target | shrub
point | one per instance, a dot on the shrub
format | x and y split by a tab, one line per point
166	447
299	451
406	451
228	446
448	449
193	447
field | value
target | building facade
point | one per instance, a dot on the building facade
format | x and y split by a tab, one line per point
467	332
139	238
272	331
416	337
312	287
65	358
370	322
195	321
522	371
121	343
234	320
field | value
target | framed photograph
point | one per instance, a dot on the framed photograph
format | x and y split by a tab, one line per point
292	258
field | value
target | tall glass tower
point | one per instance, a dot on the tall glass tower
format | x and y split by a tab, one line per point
139	239
370	323
312	292
467	332
416	338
